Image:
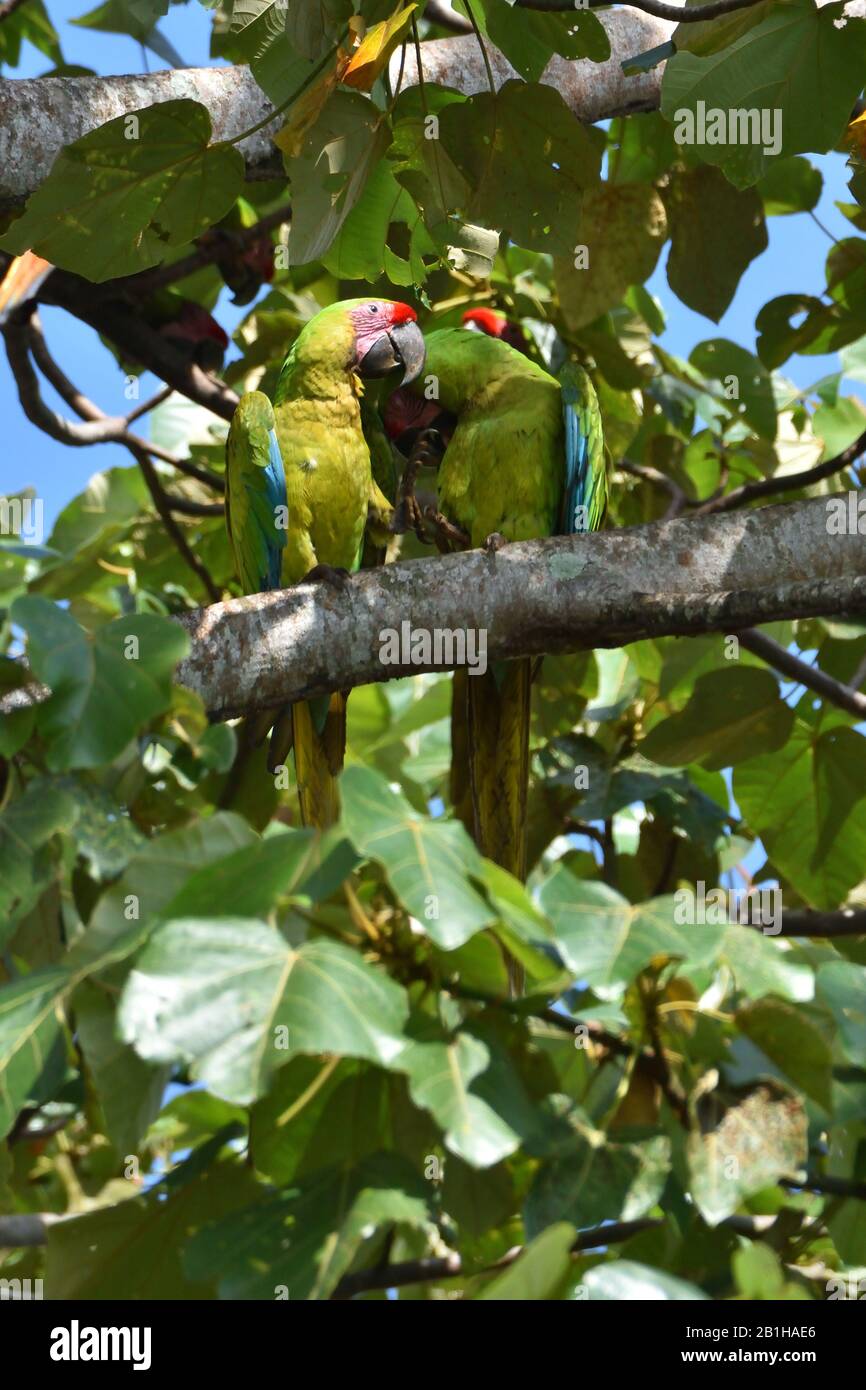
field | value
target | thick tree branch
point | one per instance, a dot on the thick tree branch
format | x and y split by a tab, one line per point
710	574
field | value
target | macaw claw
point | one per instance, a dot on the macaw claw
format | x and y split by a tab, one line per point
336	577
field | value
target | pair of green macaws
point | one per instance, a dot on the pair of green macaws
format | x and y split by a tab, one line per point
305	475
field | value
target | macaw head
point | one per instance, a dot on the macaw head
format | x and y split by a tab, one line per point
496	326
387	337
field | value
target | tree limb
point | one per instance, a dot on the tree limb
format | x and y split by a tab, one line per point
814	679
785	482
21	337
681	577
694	14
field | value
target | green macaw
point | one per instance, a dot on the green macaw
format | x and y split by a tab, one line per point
299	489
524	458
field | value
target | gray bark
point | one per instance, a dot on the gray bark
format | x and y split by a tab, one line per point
39	116
682	577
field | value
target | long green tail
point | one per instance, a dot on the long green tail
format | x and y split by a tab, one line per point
490	766
317	732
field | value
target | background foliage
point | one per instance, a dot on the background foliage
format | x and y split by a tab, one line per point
241	1077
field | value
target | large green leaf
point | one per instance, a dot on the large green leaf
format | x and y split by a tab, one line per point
595	1180
745	381
529	38
540	1272
798	65
734	714
299	1243
103	689
431	863
529	126
232	999
625	1281
801	800
623	228
606	940
329	171
26	866
470	1086
794	1043
841	986
134	1250
119	198
716	232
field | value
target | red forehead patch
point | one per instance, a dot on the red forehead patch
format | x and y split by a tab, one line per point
403	313
486	319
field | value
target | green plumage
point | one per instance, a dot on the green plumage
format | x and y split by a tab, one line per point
299	485
525	459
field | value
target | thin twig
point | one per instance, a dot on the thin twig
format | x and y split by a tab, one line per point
845	696
679	501
96	427
693	14
770	487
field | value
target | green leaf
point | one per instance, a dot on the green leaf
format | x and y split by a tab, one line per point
130	1092
596	1181
626	1281
743	1148
329	173
360	250
796	65
801	801
793	1042
30	1034
623	228
430	863
540	1272
605	940
233	1000
470	1090
28	23
120	197
528	126
841	985
705	211
747	383
733	715
761	966
299	1244
134	1250
26	826
103	689
249	882
790	185
529	38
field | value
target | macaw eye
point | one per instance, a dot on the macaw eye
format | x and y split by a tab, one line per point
374	308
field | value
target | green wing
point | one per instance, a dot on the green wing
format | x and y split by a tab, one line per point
585	496
255	489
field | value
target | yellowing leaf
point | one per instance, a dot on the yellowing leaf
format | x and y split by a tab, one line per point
372	54
306	110
856	135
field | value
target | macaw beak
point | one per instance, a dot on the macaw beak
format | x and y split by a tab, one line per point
402	346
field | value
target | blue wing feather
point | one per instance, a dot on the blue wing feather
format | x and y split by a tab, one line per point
585	493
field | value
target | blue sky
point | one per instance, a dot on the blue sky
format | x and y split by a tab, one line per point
794	262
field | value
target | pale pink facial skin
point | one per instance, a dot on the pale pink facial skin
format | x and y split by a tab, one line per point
374	318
